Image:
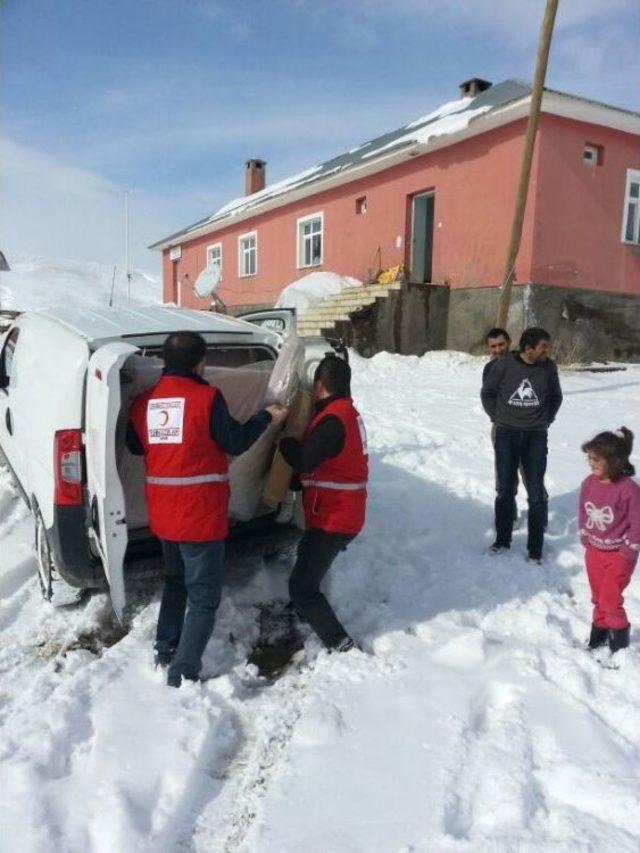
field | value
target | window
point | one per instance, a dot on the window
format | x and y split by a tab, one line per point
214	257
593	155
361	205
310	240
631	213
248	254
221	356
6	361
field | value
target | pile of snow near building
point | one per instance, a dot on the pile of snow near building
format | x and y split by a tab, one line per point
313	288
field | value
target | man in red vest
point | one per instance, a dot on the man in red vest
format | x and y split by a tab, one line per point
183	427
332	464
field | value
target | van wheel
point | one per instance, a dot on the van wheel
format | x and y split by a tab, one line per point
53	587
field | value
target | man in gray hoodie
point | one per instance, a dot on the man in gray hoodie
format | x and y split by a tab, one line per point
521	394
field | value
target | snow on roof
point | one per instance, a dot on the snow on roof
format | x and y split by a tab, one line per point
497	95
268	192
447	119
450	122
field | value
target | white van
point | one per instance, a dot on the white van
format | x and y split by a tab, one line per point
66	380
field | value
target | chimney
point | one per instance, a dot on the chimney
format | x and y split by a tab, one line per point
471	88
254	176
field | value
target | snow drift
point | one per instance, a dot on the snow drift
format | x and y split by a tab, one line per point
34	283
312	288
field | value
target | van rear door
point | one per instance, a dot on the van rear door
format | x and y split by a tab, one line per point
106	496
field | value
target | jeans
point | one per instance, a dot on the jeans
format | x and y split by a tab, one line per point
528	448
515	484
316	552
193	576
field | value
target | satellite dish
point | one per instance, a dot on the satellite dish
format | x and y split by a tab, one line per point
207	282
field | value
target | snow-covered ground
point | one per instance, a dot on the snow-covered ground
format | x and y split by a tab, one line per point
475	721
34	283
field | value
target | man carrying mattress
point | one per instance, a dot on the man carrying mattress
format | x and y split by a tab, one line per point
183	427
332	465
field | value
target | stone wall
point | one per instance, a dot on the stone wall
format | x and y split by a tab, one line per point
585	325
408	321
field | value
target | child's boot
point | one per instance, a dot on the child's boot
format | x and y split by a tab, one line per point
598	637
618	639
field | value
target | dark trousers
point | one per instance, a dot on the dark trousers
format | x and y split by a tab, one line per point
316	552
515	484
528	448
193	577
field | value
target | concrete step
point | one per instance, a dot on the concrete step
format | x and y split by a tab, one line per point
369	288
329	313
343	305
323	317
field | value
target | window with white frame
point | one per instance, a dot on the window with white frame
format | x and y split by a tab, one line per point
248	254
214	257
310	238
631	213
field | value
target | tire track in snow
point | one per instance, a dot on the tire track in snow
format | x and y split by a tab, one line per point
268	721
492	791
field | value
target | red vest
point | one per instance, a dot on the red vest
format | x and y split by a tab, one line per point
187	484
335	494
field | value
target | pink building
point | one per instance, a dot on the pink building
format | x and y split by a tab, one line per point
437	195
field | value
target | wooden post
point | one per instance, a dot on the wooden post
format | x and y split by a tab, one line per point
542	59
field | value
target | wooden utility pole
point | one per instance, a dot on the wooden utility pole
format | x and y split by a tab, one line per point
542	59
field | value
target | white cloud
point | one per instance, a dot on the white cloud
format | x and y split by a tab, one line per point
54	209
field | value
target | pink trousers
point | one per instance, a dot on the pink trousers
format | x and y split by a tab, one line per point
609	574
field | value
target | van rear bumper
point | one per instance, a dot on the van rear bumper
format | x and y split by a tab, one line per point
69	543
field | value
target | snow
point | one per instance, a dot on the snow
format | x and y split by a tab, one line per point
443	120
446	109
35	283
450	121
312	288
474	720
237	205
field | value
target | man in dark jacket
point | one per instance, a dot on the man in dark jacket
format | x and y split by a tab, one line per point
521	394
498	342
332	465
183	427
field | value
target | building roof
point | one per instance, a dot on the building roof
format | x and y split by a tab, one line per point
98	324
432	130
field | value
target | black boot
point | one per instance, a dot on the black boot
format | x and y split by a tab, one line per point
618	639
163	659
598	637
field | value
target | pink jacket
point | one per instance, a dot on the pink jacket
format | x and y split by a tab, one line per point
609	515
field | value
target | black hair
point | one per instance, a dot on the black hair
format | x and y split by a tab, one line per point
497	333
335	375
614	448
532	336
184	350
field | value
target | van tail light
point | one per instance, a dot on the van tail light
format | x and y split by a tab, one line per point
67	461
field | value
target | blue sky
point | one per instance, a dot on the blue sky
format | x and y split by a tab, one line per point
167	98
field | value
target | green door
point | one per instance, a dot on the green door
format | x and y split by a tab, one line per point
422	237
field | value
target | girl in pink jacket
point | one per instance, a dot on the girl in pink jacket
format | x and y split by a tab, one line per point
609	518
